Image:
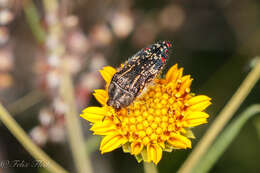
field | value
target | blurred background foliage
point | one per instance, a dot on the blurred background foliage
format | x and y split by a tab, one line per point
214	40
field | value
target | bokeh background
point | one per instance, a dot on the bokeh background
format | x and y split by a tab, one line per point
215	41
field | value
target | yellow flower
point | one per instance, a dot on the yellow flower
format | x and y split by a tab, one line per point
158	120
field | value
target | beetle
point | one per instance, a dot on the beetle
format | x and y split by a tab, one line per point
138	71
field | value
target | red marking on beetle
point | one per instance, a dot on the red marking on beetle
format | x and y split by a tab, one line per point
163	59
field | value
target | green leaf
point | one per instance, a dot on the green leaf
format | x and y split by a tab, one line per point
225	139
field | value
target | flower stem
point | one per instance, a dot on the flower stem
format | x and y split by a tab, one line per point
224	116
27	143
150	168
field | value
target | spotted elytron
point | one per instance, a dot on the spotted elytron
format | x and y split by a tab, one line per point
129	81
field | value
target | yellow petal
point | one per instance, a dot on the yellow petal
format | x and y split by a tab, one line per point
171	86
107	73
197	99
195	118
201	106
171	74
189	134
103	128
136	148
111	142
185	78
180	72
179	141
195	122
94	114
162	144
101	96
154	153
186	82
195	115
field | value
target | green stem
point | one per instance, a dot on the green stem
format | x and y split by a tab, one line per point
33	20
27	143
150	168
224	116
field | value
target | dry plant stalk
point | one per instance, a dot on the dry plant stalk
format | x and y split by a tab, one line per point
222	119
